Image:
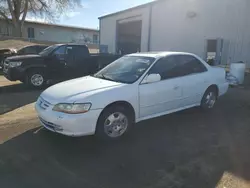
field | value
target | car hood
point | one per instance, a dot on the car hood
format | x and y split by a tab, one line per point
66	91
23	57
7	50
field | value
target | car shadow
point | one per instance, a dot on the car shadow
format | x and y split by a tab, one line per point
185	149
16	88
16	96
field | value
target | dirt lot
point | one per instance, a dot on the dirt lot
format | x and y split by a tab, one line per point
188	149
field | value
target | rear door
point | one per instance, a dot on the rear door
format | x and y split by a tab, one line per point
57	63
82	60
196	79
70	65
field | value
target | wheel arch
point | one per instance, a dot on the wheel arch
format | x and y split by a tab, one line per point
125	104
35	68
30	70
215	87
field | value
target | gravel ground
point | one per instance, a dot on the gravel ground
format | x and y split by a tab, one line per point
187	149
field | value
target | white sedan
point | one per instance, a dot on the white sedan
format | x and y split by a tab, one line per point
135	87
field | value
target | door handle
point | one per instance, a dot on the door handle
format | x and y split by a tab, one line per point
176	87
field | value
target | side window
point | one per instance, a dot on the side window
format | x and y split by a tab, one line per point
166	67
70	54
60	50
60	53
21	52
69	50
40	48
84	51
29	50
80	53
192	65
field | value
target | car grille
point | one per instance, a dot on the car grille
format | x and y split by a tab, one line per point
50	125
47	124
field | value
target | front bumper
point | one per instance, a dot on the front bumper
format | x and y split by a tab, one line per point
13	73
68	124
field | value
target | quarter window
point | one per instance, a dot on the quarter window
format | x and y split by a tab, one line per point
192	65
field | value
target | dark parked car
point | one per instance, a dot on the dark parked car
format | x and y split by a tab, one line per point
55	63
33	49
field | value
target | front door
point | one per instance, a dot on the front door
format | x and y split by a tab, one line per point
56	63
165	95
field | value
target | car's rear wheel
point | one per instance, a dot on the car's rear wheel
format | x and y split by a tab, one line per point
209	98
114	123
35	79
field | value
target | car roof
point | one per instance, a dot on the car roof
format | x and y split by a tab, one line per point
159	54
74	44
34	45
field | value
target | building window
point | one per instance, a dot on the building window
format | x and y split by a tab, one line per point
6	31
31	33
95	39
9	31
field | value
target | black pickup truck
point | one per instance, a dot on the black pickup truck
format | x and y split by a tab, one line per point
55	63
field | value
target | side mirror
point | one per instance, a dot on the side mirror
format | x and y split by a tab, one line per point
151	78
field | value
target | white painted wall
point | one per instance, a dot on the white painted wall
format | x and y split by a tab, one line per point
51	33
172	29
108	27
58	34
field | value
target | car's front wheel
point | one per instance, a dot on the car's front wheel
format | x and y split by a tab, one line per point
209	98
35	79
114	123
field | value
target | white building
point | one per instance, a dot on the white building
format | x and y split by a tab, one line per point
38	31
209	28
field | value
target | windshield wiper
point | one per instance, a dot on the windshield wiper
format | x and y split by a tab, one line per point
106	78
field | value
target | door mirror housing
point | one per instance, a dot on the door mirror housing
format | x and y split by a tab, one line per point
151	78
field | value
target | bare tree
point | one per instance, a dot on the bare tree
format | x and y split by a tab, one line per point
15	11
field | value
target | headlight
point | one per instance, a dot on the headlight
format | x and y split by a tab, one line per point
15	63
77	108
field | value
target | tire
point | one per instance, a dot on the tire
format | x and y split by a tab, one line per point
122	122
209	98
35	79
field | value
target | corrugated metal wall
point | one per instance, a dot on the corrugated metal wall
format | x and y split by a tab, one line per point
186	25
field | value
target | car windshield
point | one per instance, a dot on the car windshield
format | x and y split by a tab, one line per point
127	69
48	50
